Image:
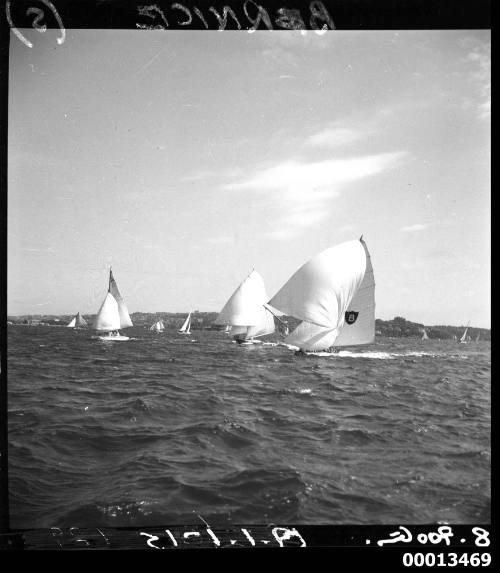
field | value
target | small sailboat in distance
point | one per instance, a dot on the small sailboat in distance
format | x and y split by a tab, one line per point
158	326
464	339
77	322
186	326
333	294
424	335
245	311
113	314
478	337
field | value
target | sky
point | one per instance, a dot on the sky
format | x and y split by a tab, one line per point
184	159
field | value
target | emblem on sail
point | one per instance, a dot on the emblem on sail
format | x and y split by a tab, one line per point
351	316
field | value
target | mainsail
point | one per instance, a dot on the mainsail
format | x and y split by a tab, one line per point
125	320
464	338
185	328
113	313
77	321
334	296
158	326
424	335
245	311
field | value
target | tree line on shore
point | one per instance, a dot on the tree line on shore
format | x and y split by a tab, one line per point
398	327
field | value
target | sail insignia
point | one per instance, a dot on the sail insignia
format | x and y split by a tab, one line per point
351	316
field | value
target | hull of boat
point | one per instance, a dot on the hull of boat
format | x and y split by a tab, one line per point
119	338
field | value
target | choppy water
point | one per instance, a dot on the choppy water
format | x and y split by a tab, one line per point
165	427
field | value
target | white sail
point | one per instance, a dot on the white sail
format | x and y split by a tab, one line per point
362	331
108	317
125	320
464	335
264	326
320	291
245	313
186	325
80	321
334	296
158	326
72	323
424	335
244	307
308	336
478	337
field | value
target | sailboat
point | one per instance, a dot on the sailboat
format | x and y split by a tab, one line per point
333	294
158	326
478	336
77	322
424	335
113	314
245	311
186	327
465	338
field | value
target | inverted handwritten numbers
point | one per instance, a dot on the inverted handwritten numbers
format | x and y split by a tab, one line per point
151	540
36	23
286	534
482	537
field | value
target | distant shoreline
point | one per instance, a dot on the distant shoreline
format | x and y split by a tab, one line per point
398	327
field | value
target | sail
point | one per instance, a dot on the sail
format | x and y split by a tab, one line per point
309	336
362	330
187	324
334	296
72	323
321	290
125	320
108	317
157	326
264	326
464	335
424	335
80	321
244	307
478	337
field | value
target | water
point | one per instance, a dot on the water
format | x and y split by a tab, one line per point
166	427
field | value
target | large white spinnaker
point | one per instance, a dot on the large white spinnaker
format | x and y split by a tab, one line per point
320	290
334	296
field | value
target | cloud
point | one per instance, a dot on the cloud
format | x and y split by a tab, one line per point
413	228
335	137
302	191
295	178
